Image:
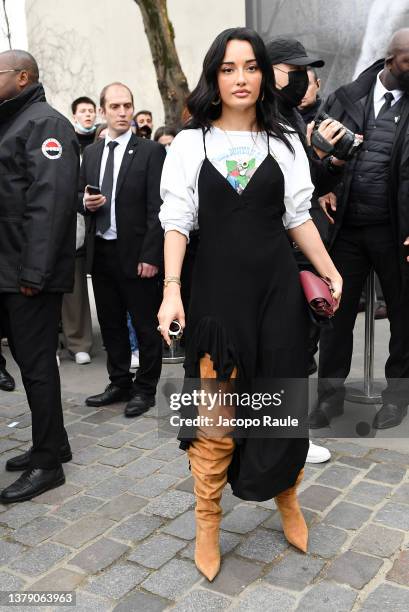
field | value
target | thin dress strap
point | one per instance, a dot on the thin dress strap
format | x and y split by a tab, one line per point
204	143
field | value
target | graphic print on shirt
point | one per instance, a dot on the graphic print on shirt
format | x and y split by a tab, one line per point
239	173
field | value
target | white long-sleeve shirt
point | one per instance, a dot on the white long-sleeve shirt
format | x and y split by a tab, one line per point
236	155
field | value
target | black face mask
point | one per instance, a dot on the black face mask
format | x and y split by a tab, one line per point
145	131
297	86
402	79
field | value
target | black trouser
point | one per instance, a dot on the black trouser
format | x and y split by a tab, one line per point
355	251
115	295
31	326
2	360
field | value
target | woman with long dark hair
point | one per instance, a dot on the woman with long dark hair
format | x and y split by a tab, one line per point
243	178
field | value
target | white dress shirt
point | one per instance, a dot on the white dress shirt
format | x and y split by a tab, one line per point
379	95
179	183
119	151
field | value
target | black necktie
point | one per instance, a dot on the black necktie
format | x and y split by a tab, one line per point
387	104
103	222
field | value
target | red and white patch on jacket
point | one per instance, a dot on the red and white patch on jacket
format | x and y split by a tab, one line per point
51	148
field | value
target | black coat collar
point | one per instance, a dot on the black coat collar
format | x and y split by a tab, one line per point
29	95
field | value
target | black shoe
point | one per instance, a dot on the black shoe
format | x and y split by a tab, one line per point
31	483
111	395
323	414
7	382
139	404
22	462
390	415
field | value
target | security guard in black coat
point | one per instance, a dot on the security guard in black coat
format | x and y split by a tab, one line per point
39	164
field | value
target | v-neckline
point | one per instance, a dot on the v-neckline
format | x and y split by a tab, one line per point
224	179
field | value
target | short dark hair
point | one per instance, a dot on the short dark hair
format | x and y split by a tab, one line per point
164	130
103	93
82	100
143	112
313	71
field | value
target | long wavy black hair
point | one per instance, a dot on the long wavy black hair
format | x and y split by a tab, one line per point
199	103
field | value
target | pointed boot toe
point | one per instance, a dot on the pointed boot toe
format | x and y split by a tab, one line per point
294	525
207	551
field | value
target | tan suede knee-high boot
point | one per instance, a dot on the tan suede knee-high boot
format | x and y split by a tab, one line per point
294	525
209	458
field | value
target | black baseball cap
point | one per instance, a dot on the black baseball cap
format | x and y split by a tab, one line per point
290	51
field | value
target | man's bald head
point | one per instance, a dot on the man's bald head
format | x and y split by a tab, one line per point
399	42
18	70
18	60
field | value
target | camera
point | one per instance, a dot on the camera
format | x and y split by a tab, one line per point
344	149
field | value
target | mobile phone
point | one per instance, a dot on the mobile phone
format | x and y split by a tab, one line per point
93	190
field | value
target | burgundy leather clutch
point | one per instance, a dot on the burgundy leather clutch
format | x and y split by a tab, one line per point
318	294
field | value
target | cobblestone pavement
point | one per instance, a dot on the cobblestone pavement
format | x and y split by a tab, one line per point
120	532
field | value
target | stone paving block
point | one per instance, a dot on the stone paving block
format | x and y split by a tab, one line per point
117	581
117	440
391	515
202	600
106	429
337	476
136	528
141	468
9	551
368	493
172	579
400	570
120	457
78	442
295	571
183	526
89	455
20	514
347	516
377	540
178	467
153	485
385	473
10	582
23	435
61	579
156	551
78	507
354	569
264	597
228	501
243	519
148	441
188	485
99	555
228	542
111	487
386	598
389	456
100	416
263	545
170	504
91	475
84	530
346	448
38	530
325	541
40	559
318	497
235	575
58	495
13	399
168	452
79	427
12	412
326	596
137	601
401	494
274	521
142	426
122	506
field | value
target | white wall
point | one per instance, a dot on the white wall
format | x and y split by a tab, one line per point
81	45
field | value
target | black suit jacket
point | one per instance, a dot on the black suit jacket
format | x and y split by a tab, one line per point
137	202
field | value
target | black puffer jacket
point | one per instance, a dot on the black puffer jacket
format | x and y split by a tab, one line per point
39	165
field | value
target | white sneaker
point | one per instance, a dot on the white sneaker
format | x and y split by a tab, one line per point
135	360
317	454
82	358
